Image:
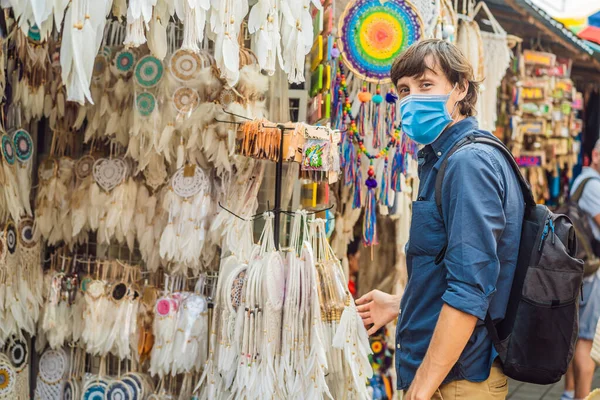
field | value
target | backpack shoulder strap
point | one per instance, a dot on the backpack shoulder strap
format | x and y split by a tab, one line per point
579	192
525	188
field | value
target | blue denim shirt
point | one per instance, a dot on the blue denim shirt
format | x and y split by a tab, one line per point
483	209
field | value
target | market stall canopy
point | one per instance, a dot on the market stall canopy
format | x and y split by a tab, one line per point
525	19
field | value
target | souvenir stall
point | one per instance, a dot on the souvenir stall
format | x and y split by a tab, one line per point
542	123
127	249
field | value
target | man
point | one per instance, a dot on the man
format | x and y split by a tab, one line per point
443	350
578	382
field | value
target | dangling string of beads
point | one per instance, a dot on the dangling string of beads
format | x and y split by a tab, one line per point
364	96
370	220
378	126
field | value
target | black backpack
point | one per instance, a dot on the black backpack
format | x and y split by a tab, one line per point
536	339
588	246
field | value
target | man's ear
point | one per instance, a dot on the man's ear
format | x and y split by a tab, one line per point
463	89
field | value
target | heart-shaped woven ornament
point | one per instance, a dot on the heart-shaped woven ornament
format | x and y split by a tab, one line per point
189	180
109	172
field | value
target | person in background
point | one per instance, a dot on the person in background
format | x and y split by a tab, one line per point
353	254
460	264
578	381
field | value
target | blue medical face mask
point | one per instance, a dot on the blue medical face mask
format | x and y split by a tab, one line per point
425	116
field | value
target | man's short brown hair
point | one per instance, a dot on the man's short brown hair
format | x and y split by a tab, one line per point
451	61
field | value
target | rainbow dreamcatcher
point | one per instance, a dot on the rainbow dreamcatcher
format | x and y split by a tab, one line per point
373	33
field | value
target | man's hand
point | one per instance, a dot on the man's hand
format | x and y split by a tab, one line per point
378	308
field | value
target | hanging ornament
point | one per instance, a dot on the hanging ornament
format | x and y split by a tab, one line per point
374	33
108	173
185	100
145	103
8	149
23	145
148	72
185	65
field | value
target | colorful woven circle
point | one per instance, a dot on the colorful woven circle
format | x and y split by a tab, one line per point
186	99
148	71
124	62
374	33
145	103
8	149
18	354
184	65
10	232
8	379
118	390
134	387
26	236
23	145
95	391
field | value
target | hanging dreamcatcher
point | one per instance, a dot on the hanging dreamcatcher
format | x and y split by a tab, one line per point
8	174
81	201
53	366
29	83
17	352
8	378
188	204
23	148
113	194
148	74
150	220
374	33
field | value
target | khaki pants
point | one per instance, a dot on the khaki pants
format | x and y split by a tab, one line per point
494	388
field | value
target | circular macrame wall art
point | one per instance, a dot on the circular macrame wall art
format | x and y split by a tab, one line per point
148	71
184	65
23	145
373	33
8	149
